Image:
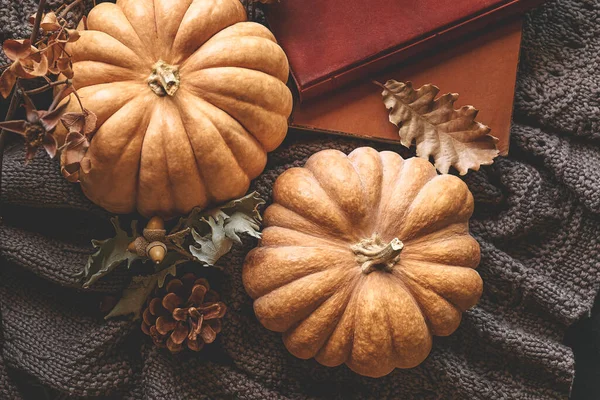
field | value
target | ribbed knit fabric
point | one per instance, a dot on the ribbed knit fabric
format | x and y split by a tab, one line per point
537	219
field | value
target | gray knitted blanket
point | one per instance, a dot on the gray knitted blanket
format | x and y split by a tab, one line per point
537	219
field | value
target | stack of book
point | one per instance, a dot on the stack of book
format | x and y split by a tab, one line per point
337	48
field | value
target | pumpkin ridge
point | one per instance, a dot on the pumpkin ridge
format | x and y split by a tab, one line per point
341	244
300	314
387	190
242	132
264	147
226	13
322	232
401	175
407	282
77	81
100	195
184	66
290	277
207	191
457	229
210	195
145	131
147	118
347	295
115	7
149	49
339	209
356	289
89	38
235	156
374	212
264	106
414	278
441	223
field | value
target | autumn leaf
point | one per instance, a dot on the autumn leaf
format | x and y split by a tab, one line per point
82	122
210	248
27	62
452	137
110	254
215	231
50	22
133	297
37	129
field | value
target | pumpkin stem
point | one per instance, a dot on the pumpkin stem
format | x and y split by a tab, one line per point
374	254
164	79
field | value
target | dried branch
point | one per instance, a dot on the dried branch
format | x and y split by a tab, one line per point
16	97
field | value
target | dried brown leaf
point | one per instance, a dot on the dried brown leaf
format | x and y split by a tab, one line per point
31	67
17	49
75	148
8	79
14	126
50	145
65	66
82	122
452	137
49	119
50	22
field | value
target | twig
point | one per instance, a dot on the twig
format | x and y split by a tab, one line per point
16	97
58	98
180	251
38	21
78	100
47	87
68	8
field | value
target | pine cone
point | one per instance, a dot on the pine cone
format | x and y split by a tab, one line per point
184	312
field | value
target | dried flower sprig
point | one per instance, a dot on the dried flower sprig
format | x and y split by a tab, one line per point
44	55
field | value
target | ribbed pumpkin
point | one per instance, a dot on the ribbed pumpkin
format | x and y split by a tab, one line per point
363	259
189	99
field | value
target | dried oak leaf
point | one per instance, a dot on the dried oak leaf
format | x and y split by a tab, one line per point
134	297
215	231
452	137
110	254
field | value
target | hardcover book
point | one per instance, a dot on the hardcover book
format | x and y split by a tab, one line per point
482	70
332	43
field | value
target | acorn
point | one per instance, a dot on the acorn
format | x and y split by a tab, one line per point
151	244
156	251
155	230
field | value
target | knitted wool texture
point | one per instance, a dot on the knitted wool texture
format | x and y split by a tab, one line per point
537	219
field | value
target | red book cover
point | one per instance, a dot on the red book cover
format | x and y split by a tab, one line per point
334	42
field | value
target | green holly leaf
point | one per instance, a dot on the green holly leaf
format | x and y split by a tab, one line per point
134	297
111	253
215	231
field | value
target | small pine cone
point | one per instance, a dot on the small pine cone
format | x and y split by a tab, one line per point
183	313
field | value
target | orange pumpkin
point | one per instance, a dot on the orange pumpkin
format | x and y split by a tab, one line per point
189	99
364	257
